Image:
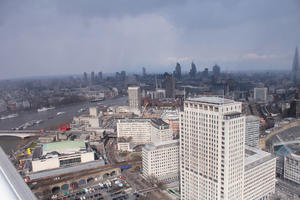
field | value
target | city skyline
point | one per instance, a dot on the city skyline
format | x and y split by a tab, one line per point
52	37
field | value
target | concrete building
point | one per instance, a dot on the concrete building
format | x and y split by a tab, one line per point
172	118
212	135
260	94
252	131
216	71
214	161
93	111
161	161
134	98
3	106
144	131
59	154
292	167
260	173
170	86
285	144
160	93
95	122
124	146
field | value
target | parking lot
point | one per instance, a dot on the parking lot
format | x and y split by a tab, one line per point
111	189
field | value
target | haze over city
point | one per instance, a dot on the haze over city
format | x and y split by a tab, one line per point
69	37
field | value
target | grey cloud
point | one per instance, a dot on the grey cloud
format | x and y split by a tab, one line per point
63	36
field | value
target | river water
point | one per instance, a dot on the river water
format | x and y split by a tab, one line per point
49	118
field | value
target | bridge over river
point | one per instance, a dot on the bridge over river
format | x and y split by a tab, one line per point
20	133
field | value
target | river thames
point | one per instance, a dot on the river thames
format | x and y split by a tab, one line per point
49	118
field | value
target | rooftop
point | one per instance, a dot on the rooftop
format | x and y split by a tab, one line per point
159	122
158	145
65	170
255	157
133	87
251	118
139	120
56	146
211	99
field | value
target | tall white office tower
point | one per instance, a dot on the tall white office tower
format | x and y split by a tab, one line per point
134	97
212	149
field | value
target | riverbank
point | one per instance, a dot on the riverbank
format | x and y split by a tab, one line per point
50	120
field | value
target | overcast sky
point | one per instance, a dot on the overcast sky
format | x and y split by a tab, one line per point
46	37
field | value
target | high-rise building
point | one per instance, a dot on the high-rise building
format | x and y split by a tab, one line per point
260	94
170	86
212	136
85	77
214	161
92	77
216	71
100	76
123	75
252	131
296	68
161	161
294	110
205	73
144	71
134	97
177	71
193	70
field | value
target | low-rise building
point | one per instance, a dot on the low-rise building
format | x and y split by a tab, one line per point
124	146
3	106
260	174
161	161
144	131
260	94
47	138
172	118
93	111
292	167
58	154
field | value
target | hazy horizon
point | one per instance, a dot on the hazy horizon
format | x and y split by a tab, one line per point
48	38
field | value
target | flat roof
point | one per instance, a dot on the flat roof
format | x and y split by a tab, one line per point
56	146
255	157
211	99
250	118
159	122
65	170
158	145
140	120
133	87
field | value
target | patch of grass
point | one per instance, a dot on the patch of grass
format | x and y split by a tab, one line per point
33	145
123	154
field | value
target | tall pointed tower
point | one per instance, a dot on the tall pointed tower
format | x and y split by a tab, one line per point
296	68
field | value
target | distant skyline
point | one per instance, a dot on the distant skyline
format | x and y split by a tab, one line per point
49	37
